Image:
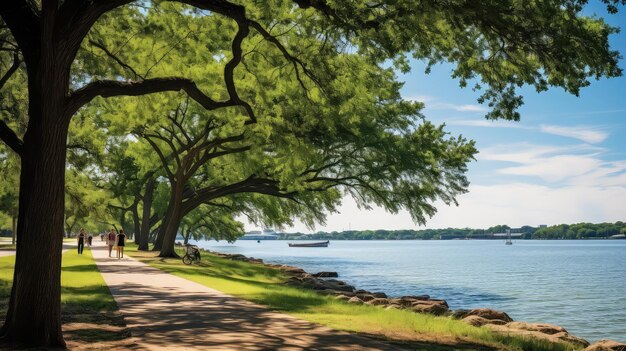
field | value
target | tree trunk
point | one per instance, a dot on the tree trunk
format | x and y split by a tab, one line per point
172	222
34	311
136	224
13	228
144	231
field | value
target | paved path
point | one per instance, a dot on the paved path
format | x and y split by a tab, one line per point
164	311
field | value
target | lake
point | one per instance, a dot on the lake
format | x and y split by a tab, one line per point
580	285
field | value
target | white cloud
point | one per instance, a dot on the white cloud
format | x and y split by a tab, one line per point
421	98
588	134
515	204
456	107
487	123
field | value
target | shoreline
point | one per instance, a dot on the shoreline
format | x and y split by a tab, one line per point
324	283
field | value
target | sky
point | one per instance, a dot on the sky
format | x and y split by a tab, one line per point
564	162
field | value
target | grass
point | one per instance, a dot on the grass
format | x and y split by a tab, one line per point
263	285
91	320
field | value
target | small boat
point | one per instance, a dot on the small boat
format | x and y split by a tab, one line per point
320	244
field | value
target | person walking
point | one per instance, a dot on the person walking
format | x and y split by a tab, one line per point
111	237
81	241
89	240
121	240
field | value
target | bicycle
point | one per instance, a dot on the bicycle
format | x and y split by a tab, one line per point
192	253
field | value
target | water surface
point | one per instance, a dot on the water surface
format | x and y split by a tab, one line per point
580	285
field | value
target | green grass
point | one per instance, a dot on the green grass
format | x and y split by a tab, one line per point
263	285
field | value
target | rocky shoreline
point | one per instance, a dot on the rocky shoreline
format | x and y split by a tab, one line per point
500	322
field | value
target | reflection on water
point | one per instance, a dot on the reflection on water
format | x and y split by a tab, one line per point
579	285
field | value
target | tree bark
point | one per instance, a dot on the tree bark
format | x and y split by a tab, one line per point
13	228
34	311
136	224
170	227
144	231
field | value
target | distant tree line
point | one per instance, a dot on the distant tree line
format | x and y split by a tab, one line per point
561	231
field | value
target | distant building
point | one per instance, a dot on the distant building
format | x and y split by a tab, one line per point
266	234
543	226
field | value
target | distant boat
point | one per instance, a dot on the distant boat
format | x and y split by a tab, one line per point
508	237
320	244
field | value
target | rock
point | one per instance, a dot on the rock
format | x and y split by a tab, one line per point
460	314
365	297
480	321
326	275
437	310
542	328
539	331
336	292
291	270
355	299
606	345
379	295
342	298
378	301
488	313
417	297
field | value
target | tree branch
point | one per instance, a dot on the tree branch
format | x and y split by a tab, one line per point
12	69
109	88
22	18
10	138
115	58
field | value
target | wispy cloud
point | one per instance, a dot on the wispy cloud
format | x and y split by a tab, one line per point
575	165
588	134
487	123
456	107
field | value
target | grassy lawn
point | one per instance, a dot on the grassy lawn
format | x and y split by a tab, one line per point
263	285
90	317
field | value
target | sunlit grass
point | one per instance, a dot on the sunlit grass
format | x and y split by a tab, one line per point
263	285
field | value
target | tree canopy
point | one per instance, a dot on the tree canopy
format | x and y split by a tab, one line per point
288	106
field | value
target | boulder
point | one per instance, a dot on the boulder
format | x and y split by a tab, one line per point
480	321
460	314
291	269
606	345
336	292
488	313
379	295
355	299
342	297
326	275
365	297
433	307
534	330
542	328
378	301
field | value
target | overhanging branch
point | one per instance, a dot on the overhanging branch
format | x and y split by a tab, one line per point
10	138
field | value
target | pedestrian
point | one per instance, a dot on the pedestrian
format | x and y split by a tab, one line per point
81	241
102	236
111	240
89	240
121	240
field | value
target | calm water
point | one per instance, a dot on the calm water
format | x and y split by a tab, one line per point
580	285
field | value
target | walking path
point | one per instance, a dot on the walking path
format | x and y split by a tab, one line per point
164	311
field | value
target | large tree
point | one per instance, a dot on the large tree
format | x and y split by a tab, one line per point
500	44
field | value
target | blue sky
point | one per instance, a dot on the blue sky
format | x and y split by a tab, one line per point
564	162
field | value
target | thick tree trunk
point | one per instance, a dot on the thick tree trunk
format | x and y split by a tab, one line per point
34	311
171	225
144	231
